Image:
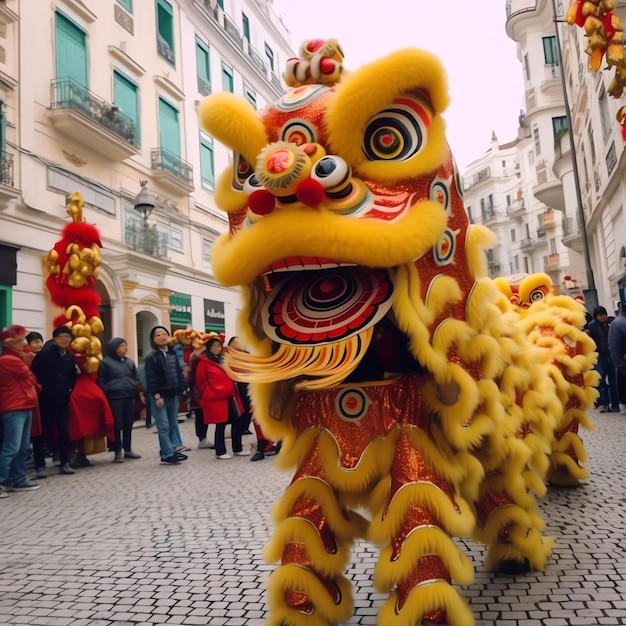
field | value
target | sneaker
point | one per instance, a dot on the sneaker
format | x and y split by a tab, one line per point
171	460
25	485
603	408
119	457
242	453
181	456
613	410
4	492
66	469
257	456
40	473
131	455
205	443
182	449
224	456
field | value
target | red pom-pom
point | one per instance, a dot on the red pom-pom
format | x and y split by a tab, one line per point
310	192
261	202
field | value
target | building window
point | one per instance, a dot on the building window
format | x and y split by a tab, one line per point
526	265
207	247
70	50
605	116
592	143
531	157
550	52
250	95
126	98
127	4
175	239
513	235
203	64
516	262
220	4
526	67
269	53
169	129
508	199
559	126
227	78
165	30
469	214
537	142
245	26
207	165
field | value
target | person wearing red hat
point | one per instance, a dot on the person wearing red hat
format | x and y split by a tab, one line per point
18	400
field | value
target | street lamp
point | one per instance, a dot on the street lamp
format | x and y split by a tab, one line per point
591	294
144	201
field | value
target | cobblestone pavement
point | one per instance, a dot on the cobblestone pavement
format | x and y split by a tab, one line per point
142	543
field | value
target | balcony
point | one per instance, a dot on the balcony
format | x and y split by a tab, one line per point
528	242
493	269
548	220
91	121
489	214
145	239
7	191
548	190
164	50
516	11
230	27
256	58
572	237
204	88
516	209
171	171
552	79
552	263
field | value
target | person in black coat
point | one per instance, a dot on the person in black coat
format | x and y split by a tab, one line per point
54	367
165	384
117	376
598	330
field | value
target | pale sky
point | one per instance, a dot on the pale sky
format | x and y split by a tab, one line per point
484	76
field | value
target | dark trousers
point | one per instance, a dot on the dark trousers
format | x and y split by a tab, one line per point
55	417
201	427
237	426
124	415
621	384
607	386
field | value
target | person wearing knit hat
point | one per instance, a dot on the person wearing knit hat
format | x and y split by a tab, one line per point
55	368
18	400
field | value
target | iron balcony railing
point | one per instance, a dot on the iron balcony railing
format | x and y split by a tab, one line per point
165	50
70	94
145	238
6	169
256	58
163	160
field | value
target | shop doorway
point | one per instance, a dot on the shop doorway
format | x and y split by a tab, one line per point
144	323
105	313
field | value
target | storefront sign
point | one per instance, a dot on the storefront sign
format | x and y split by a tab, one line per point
180	309
214	316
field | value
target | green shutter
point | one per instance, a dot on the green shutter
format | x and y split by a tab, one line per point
165	30
6	306
169	131
126	98
207	165
220	4
71	50
127	4
227	79
202	61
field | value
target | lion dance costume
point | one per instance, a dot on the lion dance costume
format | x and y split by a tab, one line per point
72	267
381	353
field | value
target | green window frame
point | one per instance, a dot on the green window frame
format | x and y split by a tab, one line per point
245	25
207	164
165	30
70	50
228	83
127	4
169	127
203	67
6	305
559	125
250	95
550	52
269	53
220	4
126	98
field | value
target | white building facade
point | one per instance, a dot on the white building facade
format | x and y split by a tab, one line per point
596	225
105	102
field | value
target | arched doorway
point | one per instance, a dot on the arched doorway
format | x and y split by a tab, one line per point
105	313
144	323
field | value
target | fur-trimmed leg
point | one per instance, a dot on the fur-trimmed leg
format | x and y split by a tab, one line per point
312	541
419	558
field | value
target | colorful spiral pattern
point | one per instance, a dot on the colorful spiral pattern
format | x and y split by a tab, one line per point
333	305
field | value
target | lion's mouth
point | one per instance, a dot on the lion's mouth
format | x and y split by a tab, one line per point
331	303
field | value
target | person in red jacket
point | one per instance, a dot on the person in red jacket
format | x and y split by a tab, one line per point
218	398
18	400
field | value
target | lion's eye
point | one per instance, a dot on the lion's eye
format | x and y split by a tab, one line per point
251	184
331	172
536	295
399	131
